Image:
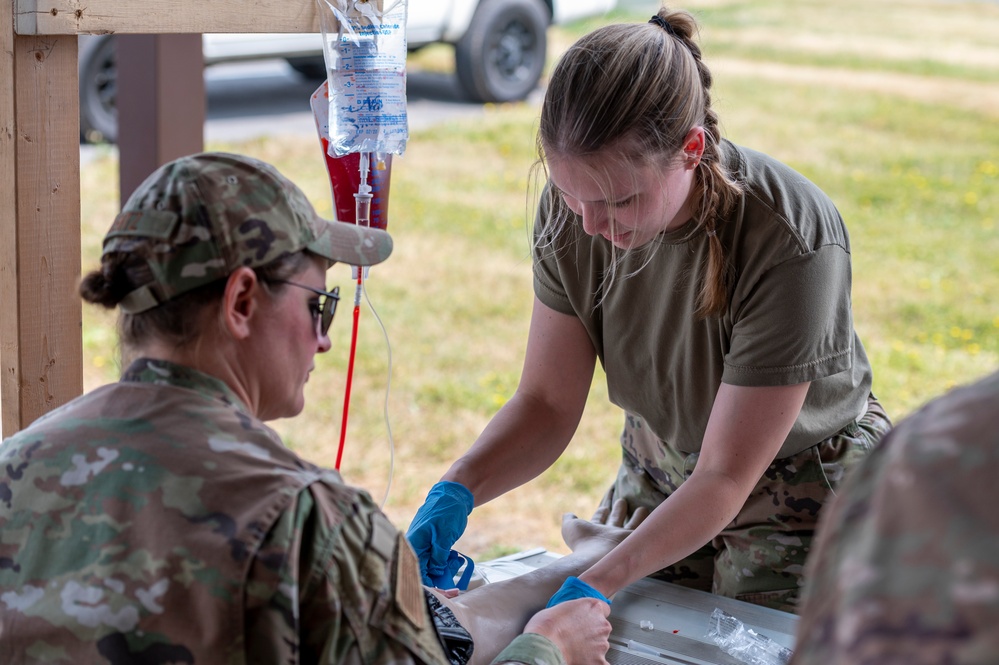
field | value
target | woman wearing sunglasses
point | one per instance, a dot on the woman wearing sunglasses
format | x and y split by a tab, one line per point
158	519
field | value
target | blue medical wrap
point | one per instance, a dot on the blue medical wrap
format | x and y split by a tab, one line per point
574	588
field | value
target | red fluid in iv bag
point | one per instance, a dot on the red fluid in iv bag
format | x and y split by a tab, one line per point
345	179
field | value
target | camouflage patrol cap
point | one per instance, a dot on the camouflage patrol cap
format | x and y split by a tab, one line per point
198	218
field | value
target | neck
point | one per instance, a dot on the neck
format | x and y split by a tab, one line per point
686	211
208	357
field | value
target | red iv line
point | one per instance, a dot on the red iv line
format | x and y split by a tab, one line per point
362	215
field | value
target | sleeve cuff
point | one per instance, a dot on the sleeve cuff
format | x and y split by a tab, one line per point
531	649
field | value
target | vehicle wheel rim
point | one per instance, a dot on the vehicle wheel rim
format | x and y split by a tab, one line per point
107	88
512	52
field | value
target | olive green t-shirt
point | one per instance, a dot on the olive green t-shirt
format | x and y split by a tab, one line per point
788	318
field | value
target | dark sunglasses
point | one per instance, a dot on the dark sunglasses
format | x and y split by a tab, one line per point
323	311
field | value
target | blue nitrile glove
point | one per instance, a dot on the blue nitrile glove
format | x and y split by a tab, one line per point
439	522
574	588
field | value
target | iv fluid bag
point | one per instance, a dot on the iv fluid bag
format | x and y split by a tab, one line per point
364	45
345	173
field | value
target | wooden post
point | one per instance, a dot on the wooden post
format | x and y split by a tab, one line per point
161	103
9	374
42	347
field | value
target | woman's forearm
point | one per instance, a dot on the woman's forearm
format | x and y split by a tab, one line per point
745	432
531	430
523	439
694	514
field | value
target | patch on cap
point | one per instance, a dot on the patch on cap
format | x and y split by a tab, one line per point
144	224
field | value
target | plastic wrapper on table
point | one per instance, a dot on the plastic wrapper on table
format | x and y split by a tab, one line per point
745	644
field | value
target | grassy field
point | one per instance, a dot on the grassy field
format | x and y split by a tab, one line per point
891	107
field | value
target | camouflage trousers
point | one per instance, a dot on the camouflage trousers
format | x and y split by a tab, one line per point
759	557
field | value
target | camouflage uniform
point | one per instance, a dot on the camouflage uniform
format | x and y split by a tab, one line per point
155	520
906	562
774	530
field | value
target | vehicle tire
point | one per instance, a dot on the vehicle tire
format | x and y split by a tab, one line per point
501	56
98	68
313	69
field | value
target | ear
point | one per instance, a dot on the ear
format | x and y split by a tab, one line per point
693	147
239	303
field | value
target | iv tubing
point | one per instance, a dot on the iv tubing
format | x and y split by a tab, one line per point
363	198
362	217
385	404
350	368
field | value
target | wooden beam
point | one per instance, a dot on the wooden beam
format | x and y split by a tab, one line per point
71	17
39	226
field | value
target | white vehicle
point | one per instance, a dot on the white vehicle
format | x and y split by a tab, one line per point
500	48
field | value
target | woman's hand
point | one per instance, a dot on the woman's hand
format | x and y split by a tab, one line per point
438	524
579	628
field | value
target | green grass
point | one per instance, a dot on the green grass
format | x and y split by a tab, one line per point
886	105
